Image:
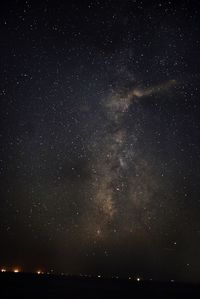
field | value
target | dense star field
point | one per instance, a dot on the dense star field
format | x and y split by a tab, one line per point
100	148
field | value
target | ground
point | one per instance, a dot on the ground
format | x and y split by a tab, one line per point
20	285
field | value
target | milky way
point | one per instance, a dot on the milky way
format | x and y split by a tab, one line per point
123	181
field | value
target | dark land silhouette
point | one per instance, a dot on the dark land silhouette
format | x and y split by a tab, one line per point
25	285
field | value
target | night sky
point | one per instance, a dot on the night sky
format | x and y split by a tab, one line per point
99	137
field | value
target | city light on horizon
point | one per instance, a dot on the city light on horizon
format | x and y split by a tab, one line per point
98	276
39	272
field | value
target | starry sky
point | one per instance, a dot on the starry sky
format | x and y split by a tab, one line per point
99	137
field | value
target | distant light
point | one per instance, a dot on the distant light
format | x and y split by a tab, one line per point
3	270
138	278
129	278
99	276
172	280
39	272
16	271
